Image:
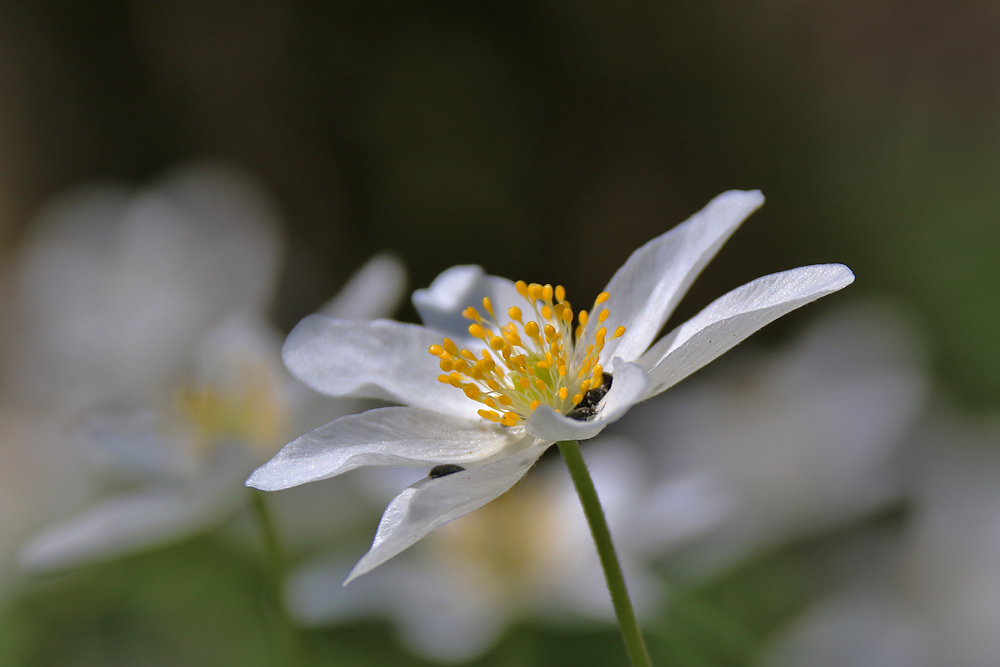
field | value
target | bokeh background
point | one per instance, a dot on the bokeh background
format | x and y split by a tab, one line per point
542	141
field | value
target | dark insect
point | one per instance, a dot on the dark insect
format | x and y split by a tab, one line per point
587	407
444	469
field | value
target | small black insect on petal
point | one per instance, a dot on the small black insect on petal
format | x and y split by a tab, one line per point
444	469
587	407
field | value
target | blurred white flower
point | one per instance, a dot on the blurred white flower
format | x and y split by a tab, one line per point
146	314
937	599
527	554
527	389
787	446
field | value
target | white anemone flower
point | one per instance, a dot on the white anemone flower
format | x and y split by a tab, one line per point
534	379
144	315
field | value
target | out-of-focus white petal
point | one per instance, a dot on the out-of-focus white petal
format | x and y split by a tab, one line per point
433	502
461	626
627	389
375	290
730	319
113	288
381	359
441	304
647	288
382	437
129	523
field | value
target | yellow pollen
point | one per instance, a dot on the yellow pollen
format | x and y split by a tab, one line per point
536	356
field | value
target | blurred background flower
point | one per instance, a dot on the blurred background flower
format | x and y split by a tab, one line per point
810	473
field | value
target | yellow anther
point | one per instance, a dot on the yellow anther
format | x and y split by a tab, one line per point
546	312
488	305
541	385
512	338
562	370
450	347
522	288
598	375
577	398
436	350
582	316
601	298
444	379
563	392
489	402
600	335
493	384
550	331
524	382
547	293
585	385
567	315
531	328
560	292
469	355
471	313
460	365
534	405
489	414
447	364
505	400
455	380
496	342
472	391
509	419
619	332
514	313
603	316
476	331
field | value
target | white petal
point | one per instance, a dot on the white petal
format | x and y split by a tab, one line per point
627	389
381	359
729	320
375	290
441	305
647	288
127	524
382	437
431	503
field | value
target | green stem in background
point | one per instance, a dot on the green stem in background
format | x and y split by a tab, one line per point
276	567
634	643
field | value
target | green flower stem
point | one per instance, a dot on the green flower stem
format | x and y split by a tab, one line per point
276	567
634	643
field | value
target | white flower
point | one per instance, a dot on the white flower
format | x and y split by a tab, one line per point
495	411
173	371
931	595
788	446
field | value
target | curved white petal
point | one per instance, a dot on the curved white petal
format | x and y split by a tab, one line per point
441	304
647	288
730	319
382	437
627	389
431	503
381	359
374	290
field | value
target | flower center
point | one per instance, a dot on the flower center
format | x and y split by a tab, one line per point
248	411
538	359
